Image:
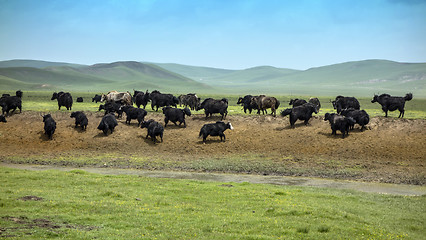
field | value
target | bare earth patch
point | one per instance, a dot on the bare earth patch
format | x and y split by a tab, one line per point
23	226
391	150
30	198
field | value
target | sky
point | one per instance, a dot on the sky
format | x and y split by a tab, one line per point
230	34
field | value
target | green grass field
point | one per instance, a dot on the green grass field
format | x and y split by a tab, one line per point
81	205
40	101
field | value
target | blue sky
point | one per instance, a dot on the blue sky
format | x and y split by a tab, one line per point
232	34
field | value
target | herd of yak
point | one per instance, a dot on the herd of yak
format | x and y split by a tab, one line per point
116	103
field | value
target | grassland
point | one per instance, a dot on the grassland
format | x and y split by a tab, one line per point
40	101
81	205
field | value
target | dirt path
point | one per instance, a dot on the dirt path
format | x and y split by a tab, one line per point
381	188
392	150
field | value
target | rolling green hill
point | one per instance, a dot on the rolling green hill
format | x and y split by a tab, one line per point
34	64
196	73
121	76
360	78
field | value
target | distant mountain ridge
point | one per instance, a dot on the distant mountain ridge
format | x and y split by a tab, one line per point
98	77
358	78
34	63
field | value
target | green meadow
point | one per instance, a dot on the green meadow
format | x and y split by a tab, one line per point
76	204
40	101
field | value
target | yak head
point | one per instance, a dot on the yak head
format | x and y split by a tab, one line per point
54	96
47	116
240	100
375	98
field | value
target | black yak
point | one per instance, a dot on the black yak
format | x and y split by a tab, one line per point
211	106
154	129
247	104
133	113
390	103
64	99
108	122
342	102
360	116
80	119
175	115
141	98
297	102
214	129
162	100
303	112
96	98
49	126
339	122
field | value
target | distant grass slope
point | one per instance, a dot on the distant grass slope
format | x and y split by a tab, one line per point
121	76
194	72
360	78
34	63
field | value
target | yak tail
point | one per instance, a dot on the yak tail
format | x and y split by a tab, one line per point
286	112
277	104
187	111
408	96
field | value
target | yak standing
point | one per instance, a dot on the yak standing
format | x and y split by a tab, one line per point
49	126
246	103
339	122
390	103
175	115
263	102
8	103
64	99
303	112
342	102
80	119
215	129
108	122
211	106
154	129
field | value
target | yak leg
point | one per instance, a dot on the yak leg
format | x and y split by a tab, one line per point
401	112
222	135
292	121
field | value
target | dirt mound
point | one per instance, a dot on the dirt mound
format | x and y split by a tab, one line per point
390	150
